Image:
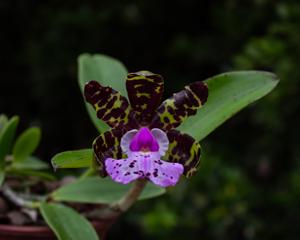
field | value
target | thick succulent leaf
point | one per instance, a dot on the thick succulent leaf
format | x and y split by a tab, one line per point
100	190
2	176
32	163
111	107
6	138
106	70
185	150
66	223
228	93
30	173
26	143
107	145
73	159
145	90
173	111
3	121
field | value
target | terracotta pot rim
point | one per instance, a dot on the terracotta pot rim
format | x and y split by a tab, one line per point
25	230
28	230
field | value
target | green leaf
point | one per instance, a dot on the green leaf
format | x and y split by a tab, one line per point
6	138
73	159
100	190
3	121
66	223
2	177
228	93
30	173
32	163
26	143
107	71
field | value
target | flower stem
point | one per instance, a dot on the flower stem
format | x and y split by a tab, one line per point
130	197
17	199
122	205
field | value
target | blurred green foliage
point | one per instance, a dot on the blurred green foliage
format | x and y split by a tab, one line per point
16	157
248	186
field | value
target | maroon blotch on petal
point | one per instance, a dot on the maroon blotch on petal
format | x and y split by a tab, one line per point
184	149
110	105
107	145
145	91
180	106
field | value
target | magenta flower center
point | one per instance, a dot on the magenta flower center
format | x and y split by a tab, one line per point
144	141
144	149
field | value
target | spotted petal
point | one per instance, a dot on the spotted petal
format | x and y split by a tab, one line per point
110	105
173	111
185	150
144	165
123	170
145	91
107	145
164	173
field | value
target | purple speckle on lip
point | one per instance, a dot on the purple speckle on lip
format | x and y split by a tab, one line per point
144	161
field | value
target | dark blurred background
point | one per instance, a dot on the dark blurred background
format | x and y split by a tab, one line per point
248	186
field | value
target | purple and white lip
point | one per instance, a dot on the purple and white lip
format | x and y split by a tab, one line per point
144	149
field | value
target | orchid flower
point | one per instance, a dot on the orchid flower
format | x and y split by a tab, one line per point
143	141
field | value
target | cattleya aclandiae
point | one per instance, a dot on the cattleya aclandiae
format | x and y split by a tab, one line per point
143	132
